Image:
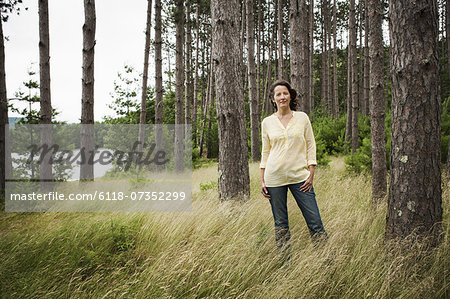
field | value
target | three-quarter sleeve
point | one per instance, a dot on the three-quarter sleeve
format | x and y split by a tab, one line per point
265	146
310	143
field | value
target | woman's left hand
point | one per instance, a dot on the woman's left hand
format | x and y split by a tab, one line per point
307	186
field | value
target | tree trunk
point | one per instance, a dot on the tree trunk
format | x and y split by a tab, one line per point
447	26
87	109
242	39
253	99
304	69
362	104
280	40
311	58
377	100
142	118
415	198
258	57
323	71
298	39
194	108
335	81
158	79
188	85
204	81
209	141
366	59
179	84
268	108
3	114
348	124
44	64
354	70
234	181
328	72
207	102
45	168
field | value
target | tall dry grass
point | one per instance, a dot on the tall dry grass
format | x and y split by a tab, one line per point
221	250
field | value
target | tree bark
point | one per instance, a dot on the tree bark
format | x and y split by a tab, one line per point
268	108
3	113
188	72
87	109
348	124
366	59
361	104
298	39
415	194
329	88
207	101
311	58
195	98
304	101
44	64
179	84
323	71
158	80
234	181
45	168
354	71
258	57
447	27
253	99
280	40
377	108
335	81
242	39
142	117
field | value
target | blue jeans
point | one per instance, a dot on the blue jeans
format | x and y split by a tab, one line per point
306	201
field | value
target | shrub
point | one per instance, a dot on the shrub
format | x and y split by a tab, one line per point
361	161
330	133
210	185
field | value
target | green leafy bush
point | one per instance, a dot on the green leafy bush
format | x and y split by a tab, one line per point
330	133
210	185
361	161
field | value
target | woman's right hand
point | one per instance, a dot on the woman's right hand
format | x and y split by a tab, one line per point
264	191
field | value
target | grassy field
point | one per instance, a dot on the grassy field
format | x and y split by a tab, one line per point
221	250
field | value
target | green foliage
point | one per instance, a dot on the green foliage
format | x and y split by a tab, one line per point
330	134
198	161
31	98
207	186
125	101
361	161
122	237
212	141
322	156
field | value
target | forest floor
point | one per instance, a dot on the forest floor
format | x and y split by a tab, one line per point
222	250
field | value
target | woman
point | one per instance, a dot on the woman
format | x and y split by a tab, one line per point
287	162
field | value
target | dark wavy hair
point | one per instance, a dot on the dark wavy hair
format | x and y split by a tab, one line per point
292	92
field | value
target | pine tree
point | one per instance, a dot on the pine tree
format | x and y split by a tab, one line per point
415	194
233	155
377	114
87	106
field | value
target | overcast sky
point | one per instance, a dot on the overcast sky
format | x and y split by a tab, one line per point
120	40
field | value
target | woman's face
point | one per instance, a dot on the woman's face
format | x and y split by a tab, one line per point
282	97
